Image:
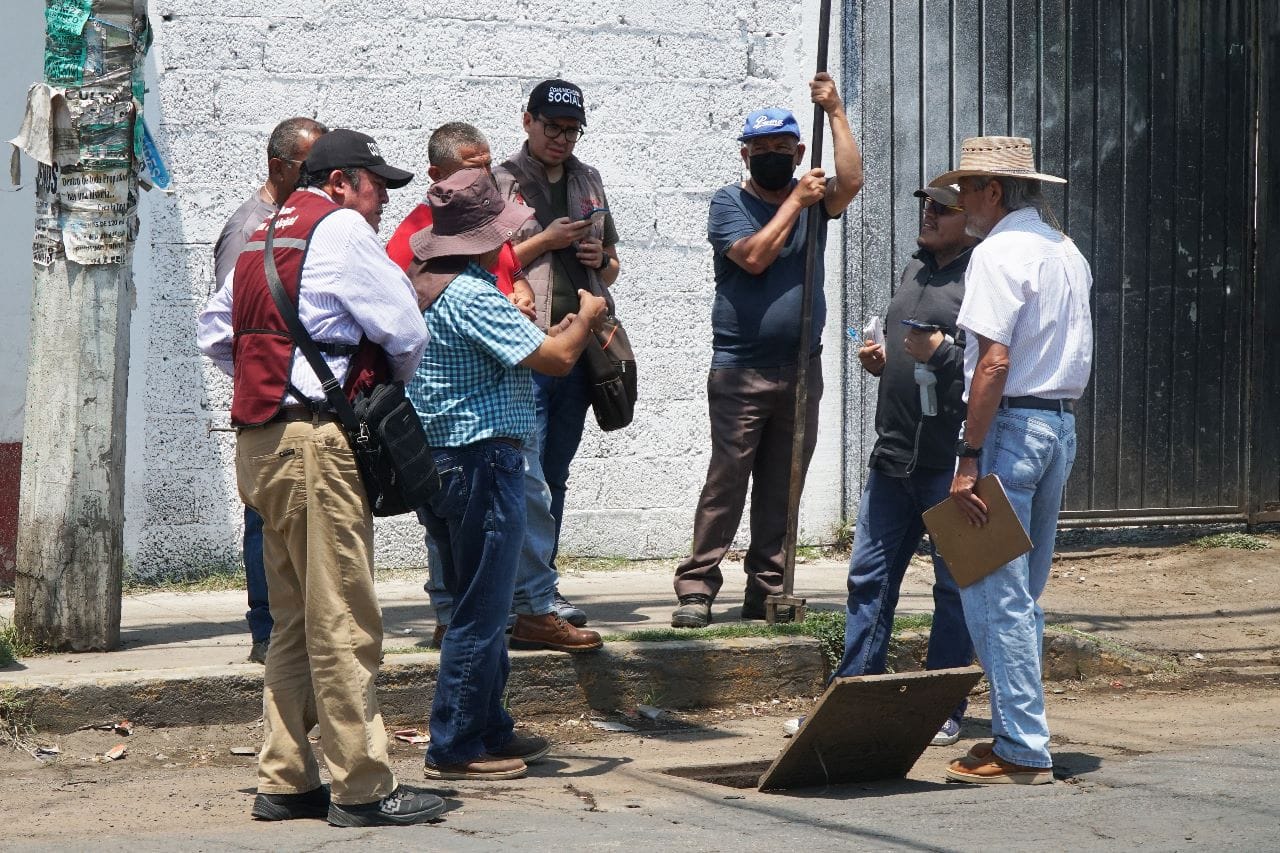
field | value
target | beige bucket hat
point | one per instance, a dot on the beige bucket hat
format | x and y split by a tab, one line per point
998	156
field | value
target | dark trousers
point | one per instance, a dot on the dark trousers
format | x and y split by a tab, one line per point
752	421
255	575
477	521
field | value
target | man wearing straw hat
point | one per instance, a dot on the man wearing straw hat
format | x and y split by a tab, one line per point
474	393
1027	357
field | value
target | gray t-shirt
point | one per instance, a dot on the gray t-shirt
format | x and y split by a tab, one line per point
235	234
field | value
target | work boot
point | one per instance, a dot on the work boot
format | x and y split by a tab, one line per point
313	803
569	612
528	748
994	770
480	768
694	611
402	807
258	654
550	631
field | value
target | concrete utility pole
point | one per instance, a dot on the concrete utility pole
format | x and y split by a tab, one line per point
83	128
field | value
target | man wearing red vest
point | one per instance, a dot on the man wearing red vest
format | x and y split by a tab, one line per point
295	467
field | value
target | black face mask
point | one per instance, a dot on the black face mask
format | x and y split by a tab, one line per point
772	170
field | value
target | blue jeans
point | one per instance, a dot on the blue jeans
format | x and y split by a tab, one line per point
562	403
1032	451
888	531
535	579
477	520
255	575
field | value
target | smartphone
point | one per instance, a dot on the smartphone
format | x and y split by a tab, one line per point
595	212
922	327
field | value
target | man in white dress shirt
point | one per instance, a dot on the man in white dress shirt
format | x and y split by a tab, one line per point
1028	356
295	467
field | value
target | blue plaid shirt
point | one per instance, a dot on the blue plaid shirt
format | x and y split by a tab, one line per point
468	386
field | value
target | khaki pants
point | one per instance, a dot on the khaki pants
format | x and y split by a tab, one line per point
327	640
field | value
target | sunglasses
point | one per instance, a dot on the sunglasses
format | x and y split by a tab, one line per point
938	208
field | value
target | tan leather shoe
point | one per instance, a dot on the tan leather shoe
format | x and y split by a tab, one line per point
994	770
549	631
482	767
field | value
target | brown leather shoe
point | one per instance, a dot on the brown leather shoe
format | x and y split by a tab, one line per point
549	631
481	767
994	770
437	636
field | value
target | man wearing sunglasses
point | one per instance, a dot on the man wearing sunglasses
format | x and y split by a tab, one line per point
287	147
914	454
568	247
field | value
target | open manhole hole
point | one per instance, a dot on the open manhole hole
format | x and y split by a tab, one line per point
745	774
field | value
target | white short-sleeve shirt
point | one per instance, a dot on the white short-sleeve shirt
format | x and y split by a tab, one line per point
1027	287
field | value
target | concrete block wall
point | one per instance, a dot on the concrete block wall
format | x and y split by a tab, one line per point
667	85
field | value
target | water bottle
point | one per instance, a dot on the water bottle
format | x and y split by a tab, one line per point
928	384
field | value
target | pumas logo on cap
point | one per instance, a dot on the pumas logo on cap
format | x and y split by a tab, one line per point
373	149
560	95
765	121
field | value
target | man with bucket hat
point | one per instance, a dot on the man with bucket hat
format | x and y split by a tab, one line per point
296	468
474	393
1028	356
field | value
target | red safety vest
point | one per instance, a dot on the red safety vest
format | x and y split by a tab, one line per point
262	349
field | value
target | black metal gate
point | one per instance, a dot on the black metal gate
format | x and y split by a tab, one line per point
1149	109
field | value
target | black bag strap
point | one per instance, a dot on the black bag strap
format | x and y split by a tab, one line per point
542	212
289	313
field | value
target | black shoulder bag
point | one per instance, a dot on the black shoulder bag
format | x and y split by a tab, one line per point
611	363
382	427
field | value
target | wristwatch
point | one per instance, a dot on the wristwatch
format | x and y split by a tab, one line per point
965	451
604	262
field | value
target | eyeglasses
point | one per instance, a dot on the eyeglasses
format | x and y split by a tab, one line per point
938	208
555	131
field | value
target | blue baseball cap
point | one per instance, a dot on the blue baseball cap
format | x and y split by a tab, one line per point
769	121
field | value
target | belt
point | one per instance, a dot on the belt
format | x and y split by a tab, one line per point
514	442
294	414
1042	403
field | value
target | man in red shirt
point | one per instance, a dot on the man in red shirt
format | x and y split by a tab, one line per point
538	624
455	146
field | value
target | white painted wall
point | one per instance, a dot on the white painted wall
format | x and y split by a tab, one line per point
21	64
667	85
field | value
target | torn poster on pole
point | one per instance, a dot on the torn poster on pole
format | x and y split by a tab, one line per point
83	127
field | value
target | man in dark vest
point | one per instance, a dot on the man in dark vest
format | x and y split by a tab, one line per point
296	469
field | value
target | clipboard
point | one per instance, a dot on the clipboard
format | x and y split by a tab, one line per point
972	553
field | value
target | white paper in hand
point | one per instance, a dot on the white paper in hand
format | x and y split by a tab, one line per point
874	332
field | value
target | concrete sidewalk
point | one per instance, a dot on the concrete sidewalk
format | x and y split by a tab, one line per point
186	630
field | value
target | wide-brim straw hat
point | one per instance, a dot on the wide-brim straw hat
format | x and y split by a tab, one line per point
996	156
468	217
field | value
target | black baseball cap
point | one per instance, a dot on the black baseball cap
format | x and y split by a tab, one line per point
557	99
341	148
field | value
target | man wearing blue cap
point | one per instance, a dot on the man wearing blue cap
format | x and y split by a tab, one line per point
757	229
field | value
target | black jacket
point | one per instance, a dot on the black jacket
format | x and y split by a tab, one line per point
928	295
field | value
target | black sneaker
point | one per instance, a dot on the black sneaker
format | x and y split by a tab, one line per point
569	612
528	748
694	611
313	804
402	807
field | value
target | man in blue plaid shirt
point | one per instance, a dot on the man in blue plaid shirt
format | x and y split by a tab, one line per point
474	393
